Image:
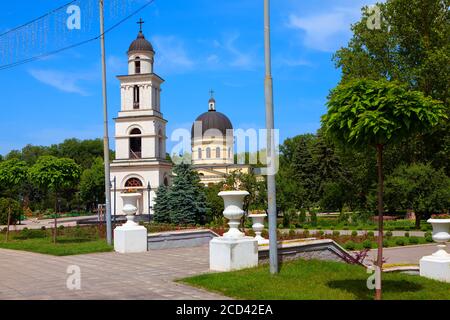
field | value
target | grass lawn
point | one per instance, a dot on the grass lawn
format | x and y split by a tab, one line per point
317	280
67	244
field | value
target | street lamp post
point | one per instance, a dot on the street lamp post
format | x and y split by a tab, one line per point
105	128
149	195
270	125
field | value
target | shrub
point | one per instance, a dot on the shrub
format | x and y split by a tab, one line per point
313	217
350	245
31	234
321	233
385	243
429	239
407	234
306	233
43	228
400	242
61	227
428	234
413	240
292	233
389	234
423	228
370	234
336	233
280	226
367	244
354	233
302	216
16	210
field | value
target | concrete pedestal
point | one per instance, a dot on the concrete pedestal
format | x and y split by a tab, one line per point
436	266
233	254
130	239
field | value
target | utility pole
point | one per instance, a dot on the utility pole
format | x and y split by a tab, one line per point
270	124
106	133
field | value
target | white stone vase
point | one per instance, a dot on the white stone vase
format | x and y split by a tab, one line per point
234	201
441	234
258	227
130	201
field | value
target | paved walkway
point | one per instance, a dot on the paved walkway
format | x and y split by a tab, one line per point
408	254
104	276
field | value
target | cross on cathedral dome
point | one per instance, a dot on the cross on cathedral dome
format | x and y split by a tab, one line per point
213	120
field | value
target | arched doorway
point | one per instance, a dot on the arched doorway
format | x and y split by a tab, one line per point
135	144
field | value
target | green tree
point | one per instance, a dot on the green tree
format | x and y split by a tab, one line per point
92	183
10	211
55	175
162	205
365	113
418	187
412	47
214	202
13	174
187	197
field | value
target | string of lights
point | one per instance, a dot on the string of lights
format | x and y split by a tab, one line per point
117	7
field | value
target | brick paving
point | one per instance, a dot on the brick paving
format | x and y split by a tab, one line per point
105	276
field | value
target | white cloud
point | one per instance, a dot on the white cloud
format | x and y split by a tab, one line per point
63	81
326	31
172	55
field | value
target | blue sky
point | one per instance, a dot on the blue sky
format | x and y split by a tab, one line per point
200	45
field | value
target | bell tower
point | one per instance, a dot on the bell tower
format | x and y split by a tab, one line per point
140	127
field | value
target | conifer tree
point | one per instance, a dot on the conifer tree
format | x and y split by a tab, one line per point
162	205
187	197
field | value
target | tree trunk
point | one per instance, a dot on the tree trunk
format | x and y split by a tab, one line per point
418	218
8	223
55	227
379	263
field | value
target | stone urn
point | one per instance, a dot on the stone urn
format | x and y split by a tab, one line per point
130	201
258	226
441	234
234	201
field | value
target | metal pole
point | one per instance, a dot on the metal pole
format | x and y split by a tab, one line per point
270	124
149	189
106	134
115	198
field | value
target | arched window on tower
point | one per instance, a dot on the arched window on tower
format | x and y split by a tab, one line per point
200	155
208	153
218	152
135	144
137	65
136	98
133	183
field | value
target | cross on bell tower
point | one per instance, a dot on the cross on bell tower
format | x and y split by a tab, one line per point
140	23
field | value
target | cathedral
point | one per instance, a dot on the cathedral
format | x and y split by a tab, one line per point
140	133
212	140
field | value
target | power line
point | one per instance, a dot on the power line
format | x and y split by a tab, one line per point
79	44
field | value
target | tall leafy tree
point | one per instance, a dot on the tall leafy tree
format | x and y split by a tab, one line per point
413	47
92	183
418	187
13	174
56	175
365	113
